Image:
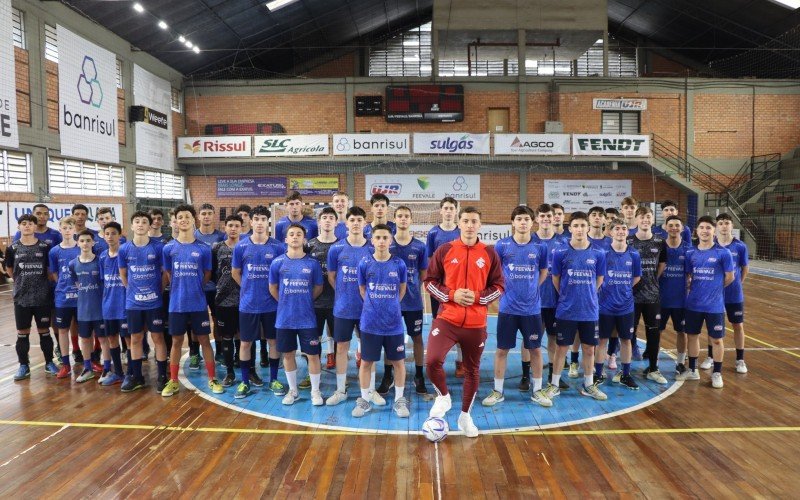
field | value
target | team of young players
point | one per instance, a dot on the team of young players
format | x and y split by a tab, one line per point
587	286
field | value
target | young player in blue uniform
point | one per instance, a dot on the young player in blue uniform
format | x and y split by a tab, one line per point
318	248
524	264
115	322
295	280
43	233
670	209
613	343
257	309
66	294
209	235
243	211
379	206
103	216
294	205
709	268
86	273
578	272
343	259
558	222
340	203
382	279
187	262
672	287
141	272
597	238
227	297
628	209
623	271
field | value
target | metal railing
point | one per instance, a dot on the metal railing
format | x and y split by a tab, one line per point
689	167
757	173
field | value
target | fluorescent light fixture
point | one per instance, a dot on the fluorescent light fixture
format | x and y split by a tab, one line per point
196	49
188	44
277	4
162	25
791	4
181	39
138	7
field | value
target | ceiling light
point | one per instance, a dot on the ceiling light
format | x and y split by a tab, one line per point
792	4
138	7
196	49
277	4
188	44
162	25
181	39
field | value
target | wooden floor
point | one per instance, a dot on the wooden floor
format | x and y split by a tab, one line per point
76	441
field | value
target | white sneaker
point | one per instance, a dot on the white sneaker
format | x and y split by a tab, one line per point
617	377
594	392
377	399
466	425
716	380
657	377
291	397
707	363
688	375
316	398
612	362
401	408
493	398
541	397
441	406
362	408
336	398
573	370
741	367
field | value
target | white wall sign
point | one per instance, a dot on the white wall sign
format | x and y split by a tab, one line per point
423	187
531	144
59	210
581	195
610	145
87	99
450	143
215	146
619	104
291	145
371	144
9	134
489	233
154	135
4	220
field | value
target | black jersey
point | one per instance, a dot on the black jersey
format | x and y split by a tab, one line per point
319	250
29	264
227	288
652	252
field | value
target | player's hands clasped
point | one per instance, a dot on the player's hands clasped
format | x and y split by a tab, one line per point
464	297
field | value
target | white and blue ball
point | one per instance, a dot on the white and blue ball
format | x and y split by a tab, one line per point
435	429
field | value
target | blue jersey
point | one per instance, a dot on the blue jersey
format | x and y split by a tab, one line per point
672	282
113	290
708	268
548	293
521	264
49	236
603	243
340	231
686	233
368	229
143	265
209	239
296	279
343	259
381	313
616	294
415	257
283	224
577	294
188	263
66	293
89	282
438	237
101	246
741	258
253	260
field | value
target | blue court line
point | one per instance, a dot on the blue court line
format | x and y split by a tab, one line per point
775	274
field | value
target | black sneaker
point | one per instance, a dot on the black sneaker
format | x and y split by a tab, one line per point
627	381
132	384
562	385
419	383
599	380
229	379
525	384
161	382
255	379
77	356
680	368
386	384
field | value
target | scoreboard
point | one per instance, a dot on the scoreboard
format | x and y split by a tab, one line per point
424	103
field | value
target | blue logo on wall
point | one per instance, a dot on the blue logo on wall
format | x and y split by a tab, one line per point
89	88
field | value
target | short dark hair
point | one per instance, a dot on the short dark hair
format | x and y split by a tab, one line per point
448	199
294	195
296	225
668	203
544	208
557	206
142	213
27	217
327	211
597	209
469	210
578	216
113	225
707	219
156	211
612	211
404	207
184	208
521	210
80	206
378	197
234	217
207	206
382	227
40	205
86	232
355	211
244	207
103	210
672	218
724	216
260	210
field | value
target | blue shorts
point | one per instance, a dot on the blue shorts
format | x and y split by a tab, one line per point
622	323
589	331
145	320
86	328
509	324
678	315
715	323
549	320
343	329
413	321
309	341
393	345
116	327
251	324
64	316
198	321
735	312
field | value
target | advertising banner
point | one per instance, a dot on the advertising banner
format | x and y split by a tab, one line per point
451	143
217	146
314	186
407	187
4	220
154	134
581	195
59	210
9	134
291	145
489	233
87	99
531	144
619	104
235	187
371	144
610	145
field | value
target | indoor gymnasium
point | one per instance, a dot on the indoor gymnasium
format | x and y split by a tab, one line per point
399	249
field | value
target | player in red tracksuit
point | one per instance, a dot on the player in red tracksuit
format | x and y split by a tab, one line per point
465	276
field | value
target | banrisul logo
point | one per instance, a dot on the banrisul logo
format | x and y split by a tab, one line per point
90	92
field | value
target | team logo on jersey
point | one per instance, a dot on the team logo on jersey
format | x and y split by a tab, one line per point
454	261
39	254
195	254
412	257
401	348
531	256
151	256
434	332
285	281
591	261
313	342
681	257
480	263
306	270
628	263
157	322
533	337
205	323
712	259
372	286
482	344
393	274
511	267
632	328
344	269
610	273
654	250
268	255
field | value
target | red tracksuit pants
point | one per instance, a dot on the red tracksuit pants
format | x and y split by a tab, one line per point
443	337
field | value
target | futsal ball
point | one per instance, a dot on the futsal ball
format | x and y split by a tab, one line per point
435	429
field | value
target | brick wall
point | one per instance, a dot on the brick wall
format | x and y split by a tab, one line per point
23	81
341	67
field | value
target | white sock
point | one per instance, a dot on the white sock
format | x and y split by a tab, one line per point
498	384
291	377
556	378
341	379
372	381
398	392
331	346
681	358
588	380
459	354
315	381
537	383
365	394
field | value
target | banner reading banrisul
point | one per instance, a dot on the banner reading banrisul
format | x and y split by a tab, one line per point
9	135
235	187
154	134
87	99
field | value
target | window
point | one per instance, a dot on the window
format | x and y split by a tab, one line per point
159	185
176	100
407	54
50	43
119	74
620	122
18	28
622	61
79	177
15	172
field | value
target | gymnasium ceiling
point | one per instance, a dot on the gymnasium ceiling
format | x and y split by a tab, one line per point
244	34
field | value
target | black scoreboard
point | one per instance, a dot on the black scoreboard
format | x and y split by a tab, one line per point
425	103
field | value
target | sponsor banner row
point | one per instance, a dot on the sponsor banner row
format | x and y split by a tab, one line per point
10	212
275	186
423	187
244	146
488	233
581	195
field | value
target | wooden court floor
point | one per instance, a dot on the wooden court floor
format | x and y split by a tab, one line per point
79	441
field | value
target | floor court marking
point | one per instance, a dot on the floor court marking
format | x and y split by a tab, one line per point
438	477
31	447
